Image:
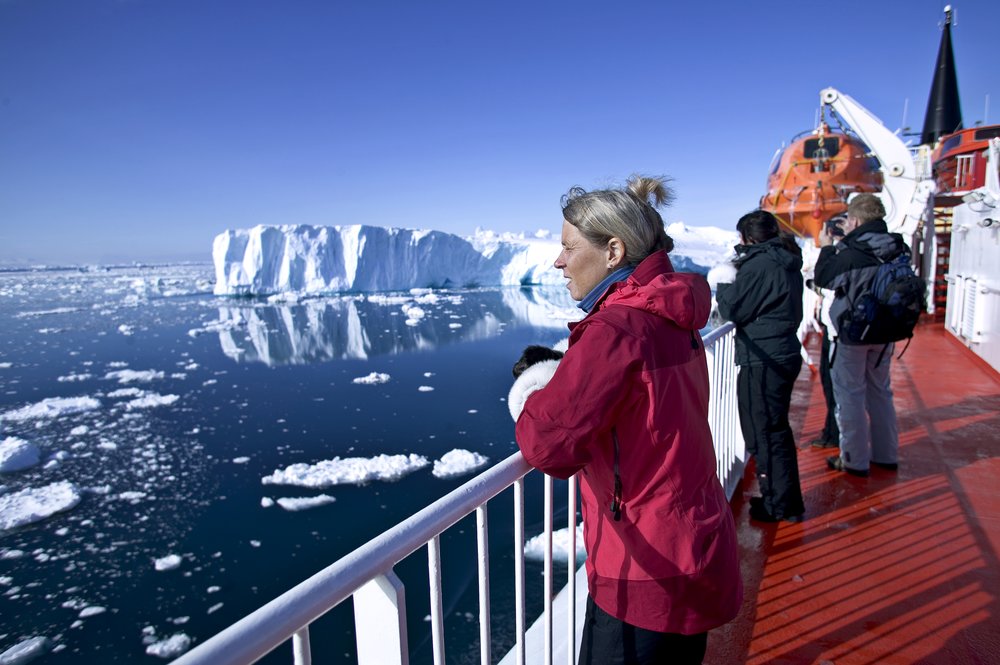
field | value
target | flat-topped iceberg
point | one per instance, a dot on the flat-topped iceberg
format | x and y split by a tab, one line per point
267	260
336	259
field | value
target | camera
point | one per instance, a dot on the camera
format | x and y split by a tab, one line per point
833	227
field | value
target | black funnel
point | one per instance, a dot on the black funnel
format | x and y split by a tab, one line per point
944	110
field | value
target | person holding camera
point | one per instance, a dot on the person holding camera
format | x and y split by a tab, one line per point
765	303
627	406
830	436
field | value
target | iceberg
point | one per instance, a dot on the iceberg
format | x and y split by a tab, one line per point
305	259
311	260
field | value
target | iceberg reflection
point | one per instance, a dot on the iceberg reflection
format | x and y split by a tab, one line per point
362	326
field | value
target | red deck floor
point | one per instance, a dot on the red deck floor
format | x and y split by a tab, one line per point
895	568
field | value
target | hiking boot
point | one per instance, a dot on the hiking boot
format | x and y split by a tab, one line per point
759	514
837	464
823	443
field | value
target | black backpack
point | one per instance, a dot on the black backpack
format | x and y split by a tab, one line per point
889	309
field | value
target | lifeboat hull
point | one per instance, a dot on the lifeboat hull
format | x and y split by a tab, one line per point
810	181
959	163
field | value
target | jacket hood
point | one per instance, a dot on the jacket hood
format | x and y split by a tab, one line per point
680	297
874	236
774	249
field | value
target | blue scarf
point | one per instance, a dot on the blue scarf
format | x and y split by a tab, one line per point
617	276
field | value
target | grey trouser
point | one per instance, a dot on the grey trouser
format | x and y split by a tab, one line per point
865	414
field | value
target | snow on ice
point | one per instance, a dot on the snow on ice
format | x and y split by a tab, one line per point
458	462
52	407
348	471
36	503
170	648
17	454
534	548
304	503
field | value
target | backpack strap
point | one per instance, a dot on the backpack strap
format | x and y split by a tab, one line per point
881	354
908	340
616	498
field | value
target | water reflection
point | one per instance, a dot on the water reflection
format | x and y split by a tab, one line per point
362	326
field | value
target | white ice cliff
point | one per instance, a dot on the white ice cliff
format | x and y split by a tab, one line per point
336	259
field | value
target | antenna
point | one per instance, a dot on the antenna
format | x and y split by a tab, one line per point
906	104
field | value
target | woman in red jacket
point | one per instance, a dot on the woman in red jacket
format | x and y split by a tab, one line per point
628	407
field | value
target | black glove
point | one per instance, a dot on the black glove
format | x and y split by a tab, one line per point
534	354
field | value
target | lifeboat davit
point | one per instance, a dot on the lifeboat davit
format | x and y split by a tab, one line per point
811	179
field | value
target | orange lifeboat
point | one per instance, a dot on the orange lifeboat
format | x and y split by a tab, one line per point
810	181
959	163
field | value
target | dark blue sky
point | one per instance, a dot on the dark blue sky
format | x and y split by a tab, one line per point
139	129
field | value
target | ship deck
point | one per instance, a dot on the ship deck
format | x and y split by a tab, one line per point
900	567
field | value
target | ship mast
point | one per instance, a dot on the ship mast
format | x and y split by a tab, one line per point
944	110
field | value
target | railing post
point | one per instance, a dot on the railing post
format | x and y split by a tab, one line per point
301	651
381	641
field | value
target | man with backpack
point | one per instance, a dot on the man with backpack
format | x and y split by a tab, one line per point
877	302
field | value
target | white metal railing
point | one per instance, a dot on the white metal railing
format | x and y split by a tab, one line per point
379	595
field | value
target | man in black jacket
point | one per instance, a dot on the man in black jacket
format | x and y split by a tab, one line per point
860	372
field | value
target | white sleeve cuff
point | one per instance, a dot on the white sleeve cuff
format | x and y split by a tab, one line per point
534	378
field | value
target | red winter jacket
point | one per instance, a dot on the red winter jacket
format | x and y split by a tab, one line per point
636	365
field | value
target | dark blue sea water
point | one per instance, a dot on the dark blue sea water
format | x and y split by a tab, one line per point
199	398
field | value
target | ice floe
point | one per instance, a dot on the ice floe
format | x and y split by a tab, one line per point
172	647
348	471
457	463
17	454
372	379
304	503
534	548
34	504
52	407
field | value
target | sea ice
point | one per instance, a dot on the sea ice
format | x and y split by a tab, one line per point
534	548
91	611
52	407
372	379
349	471
130	375
17	454
169	562
304	503
151	400
34	504
458	462
171	647
26	651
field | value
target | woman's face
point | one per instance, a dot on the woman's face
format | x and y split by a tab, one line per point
583	264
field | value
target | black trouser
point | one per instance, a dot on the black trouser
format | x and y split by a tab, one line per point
611	641
831	433
764	393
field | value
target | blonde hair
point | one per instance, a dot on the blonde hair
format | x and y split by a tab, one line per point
627	213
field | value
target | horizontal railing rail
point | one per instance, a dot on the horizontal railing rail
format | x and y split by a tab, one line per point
379	597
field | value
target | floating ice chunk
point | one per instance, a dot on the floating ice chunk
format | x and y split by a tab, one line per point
132	497
79	430
52	407
454	326
74	377
294	504
92	611
240	460
26	651
44	312
266	502
34	504
126	392
130	375
6	555
458	462
126	330
171	647
6	365
349	471
534	549
151	400
425	389
169	562
17	454
372	379
214	608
